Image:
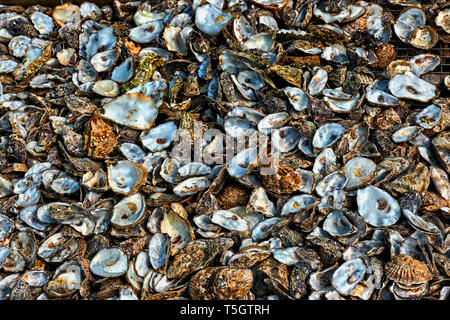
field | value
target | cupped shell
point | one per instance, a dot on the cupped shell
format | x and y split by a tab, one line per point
377	207
126	177
133	110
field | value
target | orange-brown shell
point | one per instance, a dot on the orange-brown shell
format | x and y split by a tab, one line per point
286	180
233	196
385	55
99	140
221	283
407	270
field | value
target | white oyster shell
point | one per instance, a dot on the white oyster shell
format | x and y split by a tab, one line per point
133	110
377	207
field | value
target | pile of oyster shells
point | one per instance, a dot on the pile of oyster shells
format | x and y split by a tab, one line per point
98	203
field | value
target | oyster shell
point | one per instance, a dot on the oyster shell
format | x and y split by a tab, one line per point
210	19
133	110
377	207
251	150
409	86
126	177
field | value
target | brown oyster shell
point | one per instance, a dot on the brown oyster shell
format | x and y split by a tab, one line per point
407	270
284	181
416	179
233	196
192	258
222	283
99	140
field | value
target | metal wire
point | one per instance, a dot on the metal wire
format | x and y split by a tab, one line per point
406	51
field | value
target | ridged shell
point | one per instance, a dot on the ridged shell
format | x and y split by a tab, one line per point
407	270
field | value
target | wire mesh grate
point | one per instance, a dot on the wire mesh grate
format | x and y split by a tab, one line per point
406	51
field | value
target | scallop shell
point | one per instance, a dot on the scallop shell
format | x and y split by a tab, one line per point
407	270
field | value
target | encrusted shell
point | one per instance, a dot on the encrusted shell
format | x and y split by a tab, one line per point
407	270
285	139
211	20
